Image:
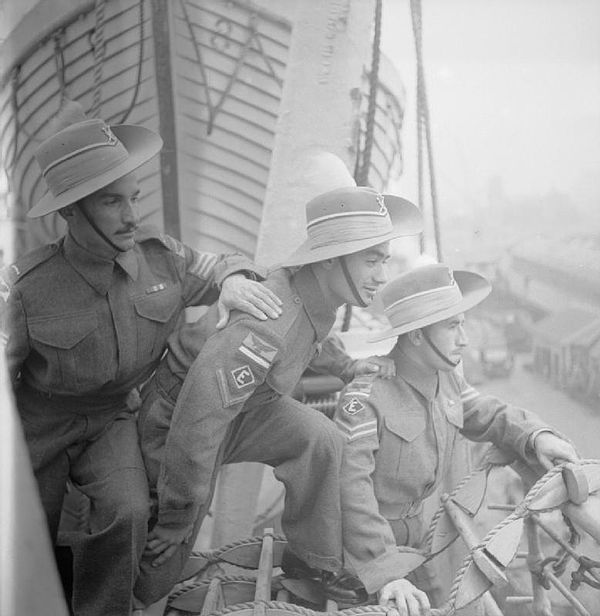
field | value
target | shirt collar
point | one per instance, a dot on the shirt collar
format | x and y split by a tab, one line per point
321	315
129	262
97	271
424	380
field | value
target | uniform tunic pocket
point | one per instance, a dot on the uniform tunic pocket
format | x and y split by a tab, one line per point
73	350
402	462
399	446
454	412
156	314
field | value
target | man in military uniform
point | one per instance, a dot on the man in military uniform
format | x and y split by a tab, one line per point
224	397
88	319
400	433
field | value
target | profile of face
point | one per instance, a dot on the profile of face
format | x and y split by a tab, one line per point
367	268
114	210
448	336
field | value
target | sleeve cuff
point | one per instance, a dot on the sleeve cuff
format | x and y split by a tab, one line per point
177	518
530	452
242	266
389	566
522	445
530	447
347	372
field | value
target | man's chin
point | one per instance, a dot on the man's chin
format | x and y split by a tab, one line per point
367	301
446	367
368	297
124	243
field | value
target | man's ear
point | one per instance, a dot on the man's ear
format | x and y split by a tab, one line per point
328	263
67	211
416	337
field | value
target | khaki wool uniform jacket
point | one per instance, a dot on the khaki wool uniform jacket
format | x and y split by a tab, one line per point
85	326
81	333
400	437
221	397
239	368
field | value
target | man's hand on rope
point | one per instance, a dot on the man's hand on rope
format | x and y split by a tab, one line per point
404	598
163	542
239	293
552	450
376	364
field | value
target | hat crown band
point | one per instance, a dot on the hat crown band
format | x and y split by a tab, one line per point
419	305
348	227
72	139
77	153
82	166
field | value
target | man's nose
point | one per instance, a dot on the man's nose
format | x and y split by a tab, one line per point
380	275
463	339
131	213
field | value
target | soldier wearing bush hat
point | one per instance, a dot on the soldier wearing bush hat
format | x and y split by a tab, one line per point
88	318
400	433
226	396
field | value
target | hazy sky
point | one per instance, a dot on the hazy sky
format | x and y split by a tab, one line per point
514	91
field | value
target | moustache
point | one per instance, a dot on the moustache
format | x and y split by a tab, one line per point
127	230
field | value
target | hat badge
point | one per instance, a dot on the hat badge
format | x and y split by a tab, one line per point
451	277
381	203
110	136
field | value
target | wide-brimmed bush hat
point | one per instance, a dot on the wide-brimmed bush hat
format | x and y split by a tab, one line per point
350	219
427	295
87	155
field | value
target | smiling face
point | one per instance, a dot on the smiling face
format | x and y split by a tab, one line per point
114	210
367	269
449	337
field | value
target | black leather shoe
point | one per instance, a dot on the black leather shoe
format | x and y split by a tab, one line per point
344	588
294	567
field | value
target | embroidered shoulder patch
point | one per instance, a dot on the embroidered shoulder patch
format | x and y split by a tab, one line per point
236	385
353	406
243	376
258	350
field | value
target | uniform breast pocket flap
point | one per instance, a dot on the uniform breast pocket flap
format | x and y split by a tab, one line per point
158	307
407	427
64	331
454	412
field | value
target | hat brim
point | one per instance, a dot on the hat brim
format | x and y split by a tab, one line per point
406	220
141	143
474	289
